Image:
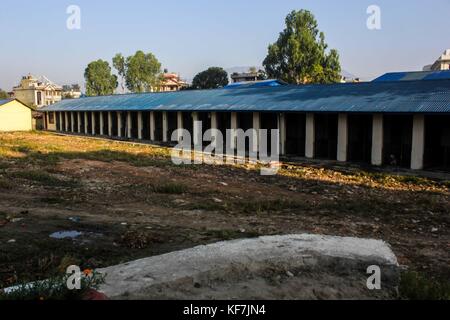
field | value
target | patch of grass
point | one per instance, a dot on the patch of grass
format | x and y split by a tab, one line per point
205	206
269	205
385	178
5	184
52	200
42	178
170	188
163	188
226	235
4	166
413	286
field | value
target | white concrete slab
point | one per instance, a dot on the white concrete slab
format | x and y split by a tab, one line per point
134	278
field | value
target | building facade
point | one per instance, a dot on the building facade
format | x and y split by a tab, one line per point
172	82
245	77
14	116
398	123
71	91
37	92
442	63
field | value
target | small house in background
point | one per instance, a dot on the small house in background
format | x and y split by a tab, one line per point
442	63
72	91
172	82
37	92
15	116
251	76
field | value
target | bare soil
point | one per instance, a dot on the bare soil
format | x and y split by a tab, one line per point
130	201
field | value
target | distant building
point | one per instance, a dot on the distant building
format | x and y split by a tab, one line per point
37	92
71	91
244	77
349	80
172	82
442	63
250	76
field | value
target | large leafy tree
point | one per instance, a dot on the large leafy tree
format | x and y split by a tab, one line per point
300	54
99	79
143	72
120	65
211	78
3	95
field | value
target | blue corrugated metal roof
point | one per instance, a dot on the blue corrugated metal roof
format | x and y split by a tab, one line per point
2	102
398	97
255	84
415	75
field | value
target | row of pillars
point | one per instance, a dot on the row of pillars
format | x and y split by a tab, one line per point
418	142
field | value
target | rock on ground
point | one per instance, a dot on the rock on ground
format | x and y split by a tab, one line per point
273	267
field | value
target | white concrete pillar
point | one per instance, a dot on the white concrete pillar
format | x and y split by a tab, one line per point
418	142
152	126
165	126
214	123
79	122
377	140
197	135
66	118
310	135
129	125
140	125
119	124
256	127
102	123
86	127
110	123
234	126
342	145
282	130
180	125
72	122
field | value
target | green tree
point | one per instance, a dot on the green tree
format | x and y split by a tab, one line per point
300	54
3	95
212	78
143	72
120	65
99	79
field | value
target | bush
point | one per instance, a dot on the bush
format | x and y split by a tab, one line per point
413	286
169	188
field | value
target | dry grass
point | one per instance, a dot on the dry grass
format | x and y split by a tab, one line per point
167	207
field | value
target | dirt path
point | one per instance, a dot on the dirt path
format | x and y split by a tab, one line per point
142	205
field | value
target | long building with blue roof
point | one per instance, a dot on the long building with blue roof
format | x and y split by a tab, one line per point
390	121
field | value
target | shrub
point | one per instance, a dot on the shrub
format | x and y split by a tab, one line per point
413	286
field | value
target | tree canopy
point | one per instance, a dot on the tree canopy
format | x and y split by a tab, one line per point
3	95
211	78
99	79
120	65
300	55
142	72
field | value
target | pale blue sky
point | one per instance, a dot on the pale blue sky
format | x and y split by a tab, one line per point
191	35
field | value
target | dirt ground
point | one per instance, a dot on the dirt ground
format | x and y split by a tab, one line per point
129	201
